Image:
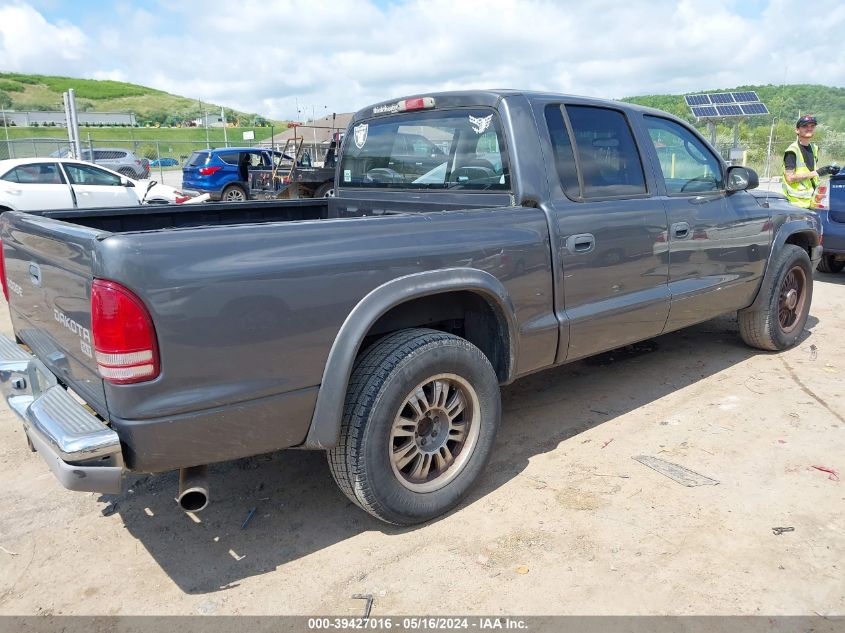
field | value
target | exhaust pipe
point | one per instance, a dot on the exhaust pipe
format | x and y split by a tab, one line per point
193	488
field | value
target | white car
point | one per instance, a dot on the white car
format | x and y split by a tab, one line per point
36	184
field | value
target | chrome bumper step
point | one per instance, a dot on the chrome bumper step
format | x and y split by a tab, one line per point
80	449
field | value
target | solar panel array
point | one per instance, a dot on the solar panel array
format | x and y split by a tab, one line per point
726	104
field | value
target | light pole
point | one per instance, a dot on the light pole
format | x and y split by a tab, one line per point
204	115
6	127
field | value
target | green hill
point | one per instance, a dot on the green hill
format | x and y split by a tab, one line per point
43	92
784	103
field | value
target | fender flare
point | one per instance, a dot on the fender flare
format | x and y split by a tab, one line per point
786	230
328	410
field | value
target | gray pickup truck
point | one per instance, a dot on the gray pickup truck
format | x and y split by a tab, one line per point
477	237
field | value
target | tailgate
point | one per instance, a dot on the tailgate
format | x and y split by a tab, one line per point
837	198
49	267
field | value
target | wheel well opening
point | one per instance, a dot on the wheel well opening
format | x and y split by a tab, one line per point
466	314
802	240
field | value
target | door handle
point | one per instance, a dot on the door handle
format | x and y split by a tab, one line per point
581	243
680	230
14	192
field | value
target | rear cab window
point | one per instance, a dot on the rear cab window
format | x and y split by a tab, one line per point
595	154
456	149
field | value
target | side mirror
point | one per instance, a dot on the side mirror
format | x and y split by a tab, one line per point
125	182
741	179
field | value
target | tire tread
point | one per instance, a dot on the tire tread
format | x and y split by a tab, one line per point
371	370
758	327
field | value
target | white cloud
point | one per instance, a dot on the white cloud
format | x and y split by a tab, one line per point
270	56
29	43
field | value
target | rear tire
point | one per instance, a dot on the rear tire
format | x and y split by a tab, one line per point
233	193
127	172
779	322
326	190
421	414
828	264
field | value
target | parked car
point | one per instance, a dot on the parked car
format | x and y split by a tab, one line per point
830	205
379	325
123	161
164	162
36	184
223	173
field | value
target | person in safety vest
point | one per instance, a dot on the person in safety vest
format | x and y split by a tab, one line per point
800	174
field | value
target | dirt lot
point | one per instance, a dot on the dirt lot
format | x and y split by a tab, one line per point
564	521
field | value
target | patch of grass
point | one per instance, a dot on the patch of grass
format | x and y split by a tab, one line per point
84	88
24	79
11	86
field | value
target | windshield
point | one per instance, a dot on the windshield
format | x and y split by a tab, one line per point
452	149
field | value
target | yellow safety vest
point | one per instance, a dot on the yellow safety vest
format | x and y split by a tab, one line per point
800	193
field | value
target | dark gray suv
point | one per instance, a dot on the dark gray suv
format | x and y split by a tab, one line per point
123	161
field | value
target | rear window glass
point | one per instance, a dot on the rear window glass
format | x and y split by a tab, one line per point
451	149
197	158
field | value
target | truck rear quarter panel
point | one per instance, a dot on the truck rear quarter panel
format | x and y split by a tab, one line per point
245	314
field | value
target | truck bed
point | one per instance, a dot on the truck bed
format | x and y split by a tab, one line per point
151	218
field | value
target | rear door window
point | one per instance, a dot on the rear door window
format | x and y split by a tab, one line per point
230	158
606	161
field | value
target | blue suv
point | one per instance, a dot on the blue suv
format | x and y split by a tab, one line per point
223	173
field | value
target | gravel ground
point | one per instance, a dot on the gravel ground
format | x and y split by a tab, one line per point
563	521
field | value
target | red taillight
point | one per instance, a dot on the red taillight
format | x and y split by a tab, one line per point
821	200
421	103
124	337
207	171
3	272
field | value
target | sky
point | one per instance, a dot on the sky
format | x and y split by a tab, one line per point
291	59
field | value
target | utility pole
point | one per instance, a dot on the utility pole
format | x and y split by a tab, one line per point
6	127
204	116
69	98
225	134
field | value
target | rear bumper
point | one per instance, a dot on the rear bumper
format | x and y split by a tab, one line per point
83	453
213	194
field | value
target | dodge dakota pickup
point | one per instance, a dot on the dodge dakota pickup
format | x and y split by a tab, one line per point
477	237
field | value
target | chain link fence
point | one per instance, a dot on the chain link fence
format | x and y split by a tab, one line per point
163	155
166	155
